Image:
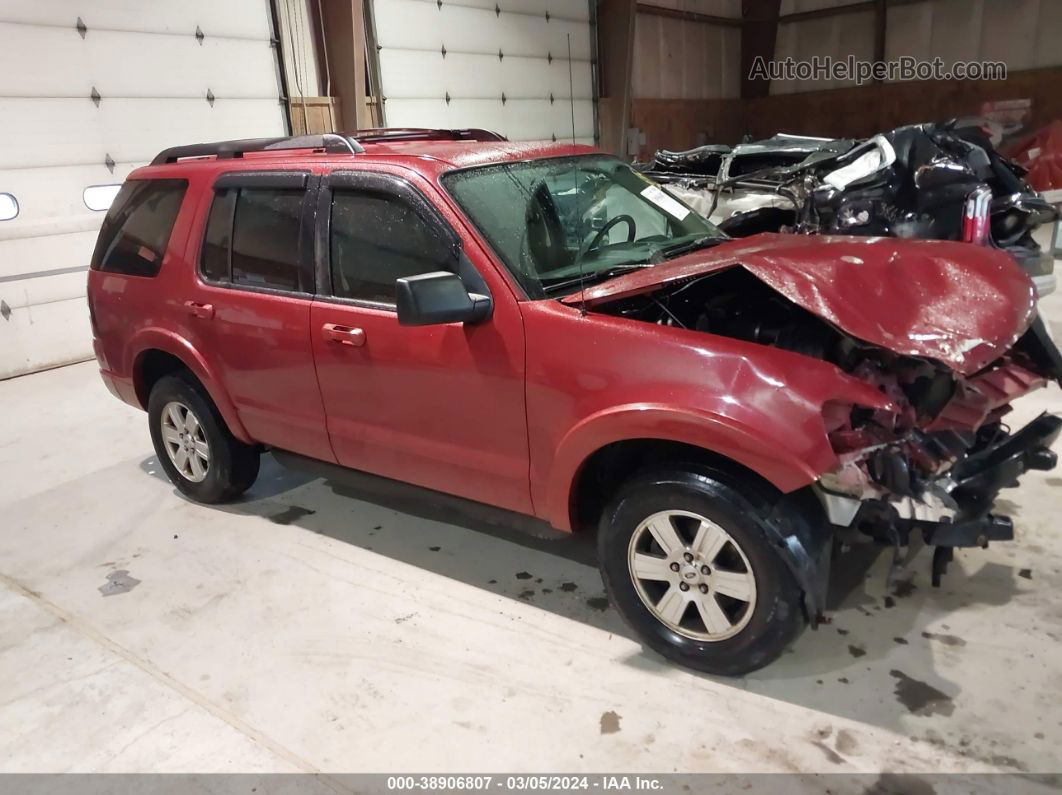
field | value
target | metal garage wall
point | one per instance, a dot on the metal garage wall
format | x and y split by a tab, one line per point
686	72
1024	34
84	104
687	59
497	64
834	37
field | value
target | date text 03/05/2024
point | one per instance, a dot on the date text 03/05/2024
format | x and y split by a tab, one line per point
523	783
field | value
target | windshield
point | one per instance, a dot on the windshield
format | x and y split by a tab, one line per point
560	222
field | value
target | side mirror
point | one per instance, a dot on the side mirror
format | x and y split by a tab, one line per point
441	297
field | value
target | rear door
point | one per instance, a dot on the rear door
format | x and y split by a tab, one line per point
438	406
250	304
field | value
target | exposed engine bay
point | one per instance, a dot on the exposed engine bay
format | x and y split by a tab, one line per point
935	462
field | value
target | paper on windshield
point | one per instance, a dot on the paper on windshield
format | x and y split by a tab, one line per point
665	202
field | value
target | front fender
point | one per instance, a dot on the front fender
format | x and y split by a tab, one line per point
741	441
154	338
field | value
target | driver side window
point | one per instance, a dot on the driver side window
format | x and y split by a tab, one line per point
377	239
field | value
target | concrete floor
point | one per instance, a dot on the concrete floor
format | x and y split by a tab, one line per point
305	630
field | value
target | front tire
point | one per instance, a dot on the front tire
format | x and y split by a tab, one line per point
199	454
686	561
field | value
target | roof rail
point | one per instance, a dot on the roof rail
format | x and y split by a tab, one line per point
224	150
425	134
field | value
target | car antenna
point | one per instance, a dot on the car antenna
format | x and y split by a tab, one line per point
575	182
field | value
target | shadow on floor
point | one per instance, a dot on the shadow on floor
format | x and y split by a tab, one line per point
872	663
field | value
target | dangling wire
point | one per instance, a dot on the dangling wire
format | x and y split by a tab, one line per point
327	70
292	14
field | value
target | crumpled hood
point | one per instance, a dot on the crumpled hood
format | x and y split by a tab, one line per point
961	304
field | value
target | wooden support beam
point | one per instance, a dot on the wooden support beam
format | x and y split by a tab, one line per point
848	8
314	115
615	36
688	16
881	14
343	51
759	31
745	20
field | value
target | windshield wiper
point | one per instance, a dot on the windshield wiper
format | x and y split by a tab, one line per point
595	276
678	249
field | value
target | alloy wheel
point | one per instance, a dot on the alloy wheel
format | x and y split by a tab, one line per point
185	441
692	575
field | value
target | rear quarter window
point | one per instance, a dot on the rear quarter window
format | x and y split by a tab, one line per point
136	231
252	238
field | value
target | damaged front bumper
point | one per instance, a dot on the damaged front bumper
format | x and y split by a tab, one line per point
954	508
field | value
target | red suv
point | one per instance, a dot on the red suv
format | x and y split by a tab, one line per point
538	328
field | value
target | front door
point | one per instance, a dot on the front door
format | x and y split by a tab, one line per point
438	406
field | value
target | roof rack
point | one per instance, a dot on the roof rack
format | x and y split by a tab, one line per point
425	134
332	143
224	150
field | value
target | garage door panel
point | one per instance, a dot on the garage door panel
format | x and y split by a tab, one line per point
581	80
419	75
558	117
53	195
415	24
153	77
423	87
557	39
43	289
47	252
536	119
129	130
558	9
246	18
44	336
119	65
415	74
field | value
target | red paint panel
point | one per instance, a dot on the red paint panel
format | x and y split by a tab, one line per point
251	350
960	304
438	406
596	379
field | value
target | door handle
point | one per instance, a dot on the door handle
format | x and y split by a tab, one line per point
196	309
344	335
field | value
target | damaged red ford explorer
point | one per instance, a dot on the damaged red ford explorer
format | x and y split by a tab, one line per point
539	330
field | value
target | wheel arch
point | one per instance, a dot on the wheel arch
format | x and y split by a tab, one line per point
619	442
159	353
794	523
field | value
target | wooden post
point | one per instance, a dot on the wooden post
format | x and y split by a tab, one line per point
615	36
343	25
759	30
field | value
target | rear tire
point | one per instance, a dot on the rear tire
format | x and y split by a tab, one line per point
199	454
714	595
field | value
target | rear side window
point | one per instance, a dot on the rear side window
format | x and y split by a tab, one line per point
252	238
136	231
214	261
377	239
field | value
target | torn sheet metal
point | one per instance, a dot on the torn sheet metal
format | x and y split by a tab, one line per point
912	182
962	305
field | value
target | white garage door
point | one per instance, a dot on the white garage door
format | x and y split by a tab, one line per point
497	64
89	90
